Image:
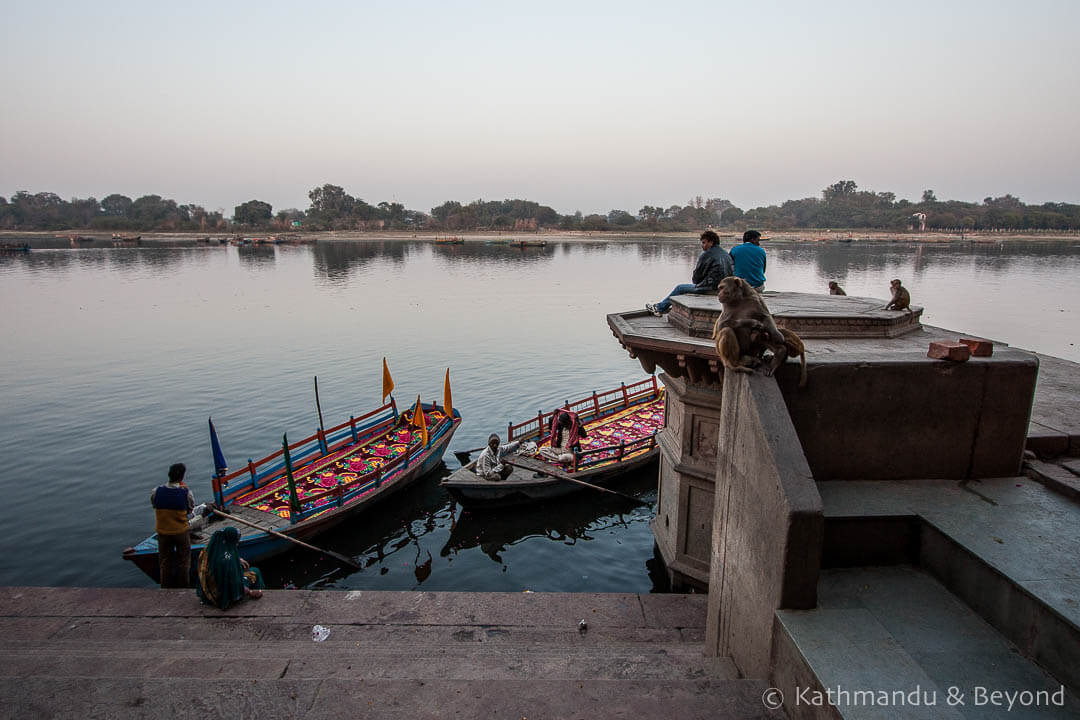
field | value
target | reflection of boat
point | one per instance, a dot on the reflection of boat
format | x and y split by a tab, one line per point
563	521
14	247
450	241
621	426
528	243
311	485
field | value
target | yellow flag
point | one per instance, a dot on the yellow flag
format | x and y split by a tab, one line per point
387	381
447	399
418	421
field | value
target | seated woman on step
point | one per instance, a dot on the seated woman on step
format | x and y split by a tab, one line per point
224	577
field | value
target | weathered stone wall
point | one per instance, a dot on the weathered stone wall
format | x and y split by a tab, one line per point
894	416
767	524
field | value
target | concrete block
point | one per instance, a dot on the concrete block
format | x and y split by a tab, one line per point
957	352
909	417
979	348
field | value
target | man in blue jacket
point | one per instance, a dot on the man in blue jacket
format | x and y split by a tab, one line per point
713	265
750	260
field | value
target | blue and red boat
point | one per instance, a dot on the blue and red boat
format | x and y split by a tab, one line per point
313	484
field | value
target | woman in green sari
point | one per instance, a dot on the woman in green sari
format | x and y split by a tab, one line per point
224	577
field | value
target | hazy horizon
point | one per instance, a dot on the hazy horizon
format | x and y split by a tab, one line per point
588	107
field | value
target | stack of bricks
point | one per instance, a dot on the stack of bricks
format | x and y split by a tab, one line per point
960	351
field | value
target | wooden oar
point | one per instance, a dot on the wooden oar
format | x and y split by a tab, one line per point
337	556
580	482
463	455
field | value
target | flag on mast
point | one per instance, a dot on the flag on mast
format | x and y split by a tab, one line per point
220	466
387	381
418	421
447	399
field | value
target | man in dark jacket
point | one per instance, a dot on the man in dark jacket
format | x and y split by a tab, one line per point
713	265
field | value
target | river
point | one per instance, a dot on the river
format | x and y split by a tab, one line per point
114	358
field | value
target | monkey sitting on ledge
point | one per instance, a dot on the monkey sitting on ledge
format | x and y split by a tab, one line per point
746	329
901	298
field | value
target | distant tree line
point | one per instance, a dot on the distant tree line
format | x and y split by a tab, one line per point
841	205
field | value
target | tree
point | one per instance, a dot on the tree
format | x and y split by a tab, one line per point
116	205
928	196
254	212
621	218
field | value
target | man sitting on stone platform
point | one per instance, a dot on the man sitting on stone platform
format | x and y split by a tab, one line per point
713	265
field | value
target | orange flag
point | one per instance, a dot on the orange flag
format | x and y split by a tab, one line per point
419	421
447	399
387	381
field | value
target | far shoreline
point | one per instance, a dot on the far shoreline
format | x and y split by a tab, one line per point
554	236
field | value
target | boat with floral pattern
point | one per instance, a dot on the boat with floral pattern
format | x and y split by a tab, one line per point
621	426
311	485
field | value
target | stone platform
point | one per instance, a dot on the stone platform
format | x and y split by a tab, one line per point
146	653
810	315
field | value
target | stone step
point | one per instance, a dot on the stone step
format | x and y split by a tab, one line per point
307	659
339	697
887	630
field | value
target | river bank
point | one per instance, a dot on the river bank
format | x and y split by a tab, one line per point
47	238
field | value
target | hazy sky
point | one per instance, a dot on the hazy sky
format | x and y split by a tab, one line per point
580	105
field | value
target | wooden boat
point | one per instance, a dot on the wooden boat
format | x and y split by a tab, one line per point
126	238
14	247
621	424
528	243
320	481
450	241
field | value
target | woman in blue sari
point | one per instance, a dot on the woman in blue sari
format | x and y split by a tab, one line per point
224	577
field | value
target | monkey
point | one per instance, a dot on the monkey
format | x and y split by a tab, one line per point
744	315
901	298
835	289
792	346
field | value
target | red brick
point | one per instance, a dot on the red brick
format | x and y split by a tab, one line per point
949	351
979	348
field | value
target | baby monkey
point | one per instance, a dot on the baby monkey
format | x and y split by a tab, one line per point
901	298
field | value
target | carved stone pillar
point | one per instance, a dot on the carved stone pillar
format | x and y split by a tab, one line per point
683	523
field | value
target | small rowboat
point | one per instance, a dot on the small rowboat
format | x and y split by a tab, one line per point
528	243
450	241
319	481
14	247
621	424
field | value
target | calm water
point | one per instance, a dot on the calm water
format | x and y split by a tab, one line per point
114	357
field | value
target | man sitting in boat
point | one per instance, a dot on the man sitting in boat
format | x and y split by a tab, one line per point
567	433
489	465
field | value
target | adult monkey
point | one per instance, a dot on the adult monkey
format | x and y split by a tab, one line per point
901	298
743	327
746	329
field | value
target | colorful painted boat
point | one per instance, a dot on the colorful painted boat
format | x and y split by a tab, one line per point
321	480
621	425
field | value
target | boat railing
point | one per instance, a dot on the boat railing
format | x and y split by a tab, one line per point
589	408
342	494
258	473
595	456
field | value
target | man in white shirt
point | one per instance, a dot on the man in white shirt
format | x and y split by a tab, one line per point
489	465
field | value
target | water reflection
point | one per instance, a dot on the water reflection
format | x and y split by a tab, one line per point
121	354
